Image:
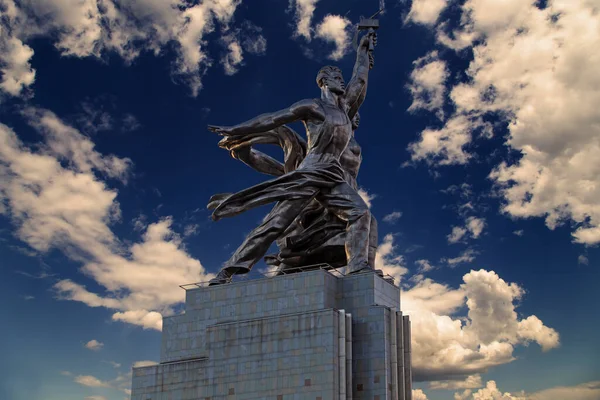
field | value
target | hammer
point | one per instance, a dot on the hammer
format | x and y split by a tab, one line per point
364	24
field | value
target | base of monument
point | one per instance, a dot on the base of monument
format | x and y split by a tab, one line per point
310	335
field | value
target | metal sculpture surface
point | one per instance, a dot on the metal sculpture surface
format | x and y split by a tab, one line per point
312	173
316	236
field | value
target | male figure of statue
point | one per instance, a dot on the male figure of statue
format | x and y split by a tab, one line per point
319	176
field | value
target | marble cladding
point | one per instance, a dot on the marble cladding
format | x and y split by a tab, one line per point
281	338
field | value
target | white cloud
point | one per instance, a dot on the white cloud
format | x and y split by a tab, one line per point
146	319
257	45
491	309
332	28
95	28
94	345
233	59
489	392
424	265
536	69
427	84
446	146
122	382
237	41
91	381
388	260
584	391
368	198
57	199
95	398
471	382
392	217
15	66
532	329
190	230
129	123
475	226
252	40
583	260
431	296
449	347
67	143
466	256
457	234
335	28
426	11
304	14
144	363
417	394
465	190
519	232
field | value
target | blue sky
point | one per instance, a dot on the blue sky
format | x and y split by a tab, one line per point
481	156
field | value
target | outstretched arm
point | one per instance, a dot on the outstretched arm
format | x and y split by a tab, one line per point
302	110
357	87
292	144
259	161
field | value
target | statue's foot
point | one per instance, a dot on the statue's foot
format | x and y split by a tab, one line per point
222	277
226	275
285	269
352	269
360	270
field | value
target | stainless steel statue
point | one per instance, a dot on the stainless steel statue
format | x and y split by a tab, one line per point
316	236
313	175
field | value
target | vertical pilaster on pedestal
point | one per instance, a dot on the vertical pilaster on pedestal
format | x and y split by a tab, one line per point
342	353
348	357
407	357
400	356
394	355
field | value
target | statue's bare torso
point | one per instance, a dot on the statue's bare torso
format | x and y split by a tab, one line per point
329	133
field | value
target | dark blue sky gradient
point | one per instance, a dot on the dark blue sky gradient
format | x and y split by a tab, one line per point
178	166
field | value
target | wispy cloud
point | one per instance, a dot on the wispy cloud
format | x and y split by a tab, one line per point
522	72
68	167
392	217
366	196
145	363
424	266
94	345
473	226
335	29
466	256
388	260
304	10
127	29
91	381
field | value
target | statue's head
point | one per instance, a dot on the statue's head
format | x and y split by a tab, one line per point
331	77
355	121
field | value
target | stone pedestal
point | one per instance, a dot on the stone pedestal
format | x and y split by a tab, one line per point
311	335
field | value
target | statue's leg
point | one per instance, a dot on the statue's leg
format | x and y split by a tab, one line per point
257	243
346	203
373	238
